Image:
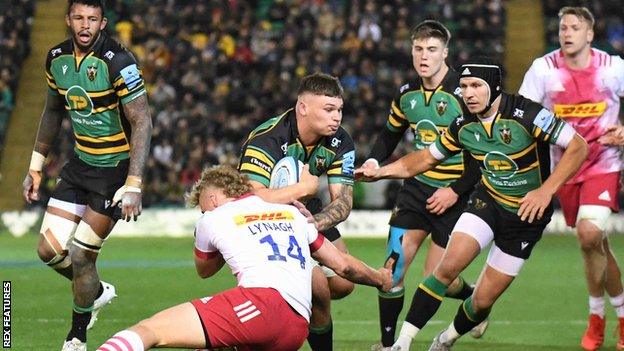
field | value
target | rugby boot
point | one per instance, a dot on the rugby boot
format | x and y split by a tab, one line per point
594	335
107	296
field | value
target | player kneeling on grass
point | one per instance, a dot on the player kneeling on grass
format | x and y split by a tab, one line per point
269	248
511	206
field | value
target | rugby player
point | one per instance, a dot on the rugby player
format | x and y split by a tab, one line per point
311	133
97	82
269	247
430	202
583	85
509	135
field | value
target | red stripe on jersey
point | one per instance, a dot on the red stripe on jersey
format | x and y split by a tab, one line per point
316	244
205	255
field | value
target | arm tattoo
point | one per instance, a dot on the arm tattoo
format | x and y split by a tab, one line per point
337	211
138	114
50	123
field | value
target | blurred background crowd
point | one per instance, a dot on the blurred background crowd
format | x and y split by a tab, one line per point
216	69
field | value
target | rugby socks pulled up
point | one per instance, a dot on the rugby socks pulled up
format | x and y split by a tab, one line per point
597	306
321	338
124	340
463	292
618	304
80	320
390	306
466	318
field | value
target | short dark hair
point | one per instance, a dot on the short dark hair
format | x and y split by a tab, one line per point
93	3
321	84
431	29
581	12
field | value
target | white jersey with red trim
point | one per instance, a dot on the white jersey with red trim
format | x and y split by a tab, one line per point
588	99
265	245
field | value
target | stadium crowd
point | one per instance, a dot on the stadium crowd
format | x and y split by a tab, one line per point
16	17
216	68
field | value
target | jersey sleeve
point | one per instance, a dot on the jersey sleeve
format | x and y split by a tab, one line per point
50	80
618	66
258	158
341	171
469	178
547	127
448	143
127	79
532	85
204	234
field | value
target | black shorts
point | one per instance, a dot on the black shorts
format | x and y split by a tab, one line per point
315	205
410	212
513	236
81	183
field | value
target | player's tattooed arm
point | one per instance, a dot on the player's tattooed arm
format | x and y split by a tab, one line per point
50	123
338	209
138	114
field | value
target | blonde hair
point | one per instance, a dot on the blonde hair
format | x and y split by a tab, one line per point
233	183
580	12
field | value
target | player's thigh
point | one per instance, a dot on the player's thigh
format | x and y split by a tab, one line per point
434	255
177	326
64	210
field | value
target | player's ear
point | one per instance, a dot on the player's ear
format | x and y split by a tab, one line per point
67	20
445	52
103	24
590	35
302	108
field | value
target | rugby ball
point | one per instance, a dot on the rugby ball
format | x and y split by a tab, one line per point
286	172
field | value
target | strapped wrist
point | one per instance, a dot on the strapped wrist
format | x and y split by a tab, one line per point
36	161
134	181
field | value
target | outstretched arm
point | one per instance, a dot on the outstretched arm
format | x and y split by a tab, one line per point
414	163
351	268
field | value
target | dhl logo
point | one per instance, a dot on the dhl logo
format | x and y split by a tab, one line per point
580	110
266	216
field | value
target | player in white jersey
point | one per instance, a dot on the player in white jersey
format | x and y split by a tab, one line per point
584	85
269	248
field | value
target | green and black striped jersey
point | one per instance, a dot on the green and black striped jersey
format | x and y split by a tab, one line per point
94	87
279	137
427	113
512	148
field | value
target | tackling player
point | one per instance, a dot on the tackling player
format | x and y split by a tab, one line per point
430	202
311	133
269	247
509	135
583	85
96	81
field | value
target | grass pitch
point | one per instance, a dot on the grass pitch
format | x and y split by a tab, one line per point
544	309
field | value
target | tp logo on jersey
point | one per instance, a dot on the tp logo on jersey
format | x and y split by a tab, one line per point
499	165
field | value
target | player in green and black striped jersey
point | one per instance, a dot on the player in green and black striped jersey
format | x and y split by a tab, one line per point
430	202
311	133
510	136
96	82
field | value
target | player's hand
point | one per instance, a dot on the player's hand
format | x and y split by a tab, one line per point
371	163
441	200
304	211
130	198
308	181
386	278
367	174
533	204
31	184
614	136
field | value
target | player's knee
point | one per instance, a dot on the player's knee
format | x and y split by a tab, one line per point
482	303
45	252
447	270
340	287
590	236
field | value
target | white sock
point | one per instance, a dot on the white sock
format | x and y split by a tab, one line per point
618	304
450	334
596	306
122	340
408	332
